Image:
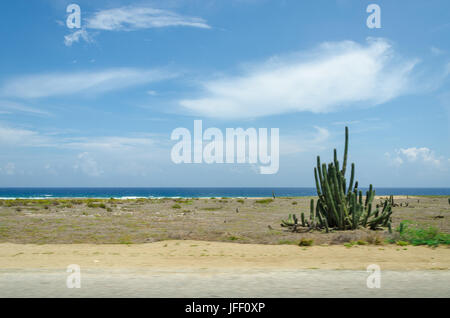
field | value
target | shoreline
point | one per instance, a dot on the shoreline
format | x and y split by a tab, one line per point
400	196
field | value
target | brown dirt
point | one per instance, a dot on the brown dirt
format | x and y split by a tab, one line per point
78	221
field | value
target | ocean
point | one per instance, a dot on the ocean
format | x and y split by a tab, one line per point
123	193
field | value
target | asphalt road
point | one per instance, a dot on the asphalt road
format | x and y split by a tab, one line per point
227	283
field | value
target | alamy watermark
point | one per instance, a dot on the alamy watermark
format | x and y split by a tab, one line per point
74	279
250	146
374	279
374	19
74	18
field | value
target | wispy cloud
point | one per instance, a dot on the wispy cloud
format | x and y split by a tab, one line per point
56	84
75	37
8	169
109	143
20	137
17	137
334	76
88	165
132	18
304	142
92	156
422	155
9	107
436	51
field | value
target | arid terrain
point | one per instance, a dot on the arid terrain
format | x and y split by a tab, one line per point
191	248
239	220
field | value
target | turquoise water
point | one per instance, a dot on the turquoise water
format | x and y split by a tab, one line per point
190	192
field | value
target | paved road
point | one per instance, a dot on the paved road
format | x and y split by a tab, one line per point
204	283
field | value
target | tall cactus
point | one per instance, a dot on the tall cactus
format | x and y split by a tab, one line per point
341	206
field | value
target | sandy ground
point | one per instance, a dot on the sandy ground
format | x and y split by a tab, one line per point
212	255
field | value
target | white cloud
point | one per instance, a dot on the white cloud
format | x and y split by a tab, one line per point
22	137
109	143
17	107
134	18
296	143
436	51
9	169
19	137
94	155
421	155
75	37
88	165
393	160
55	84
334	76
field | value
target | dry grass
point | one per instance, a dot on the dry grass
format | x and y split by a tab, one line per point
148	220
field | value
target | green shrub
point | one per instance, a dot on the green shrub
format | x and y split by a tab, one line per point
211	209
96	205
240	201
286	242
306	242
416	235
264	201
176	206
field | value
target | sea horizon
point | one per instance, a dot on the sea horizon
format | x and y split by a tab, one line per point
191	192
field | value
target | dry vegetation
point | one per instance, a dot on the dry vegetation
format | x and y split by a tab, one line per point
225	219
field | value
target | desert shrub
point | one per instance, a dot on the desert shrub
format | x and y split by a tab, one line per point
287	242
264	201
375	239
240	201
211	208
96	205
417	235
306	242
402	243
176	206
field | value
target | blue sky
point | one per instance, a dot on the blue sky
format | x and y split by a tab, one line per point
96	106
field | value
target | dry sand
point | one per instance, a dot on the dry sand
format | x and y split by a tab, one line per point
187	255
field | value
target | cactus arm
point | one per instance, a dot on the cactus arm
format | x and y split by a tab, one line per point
344	163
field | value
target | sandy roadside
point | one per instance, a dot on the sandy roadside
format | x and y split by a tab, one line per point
216	255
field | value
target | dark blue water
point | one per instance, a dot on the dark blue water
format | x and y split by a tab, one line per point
190	192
